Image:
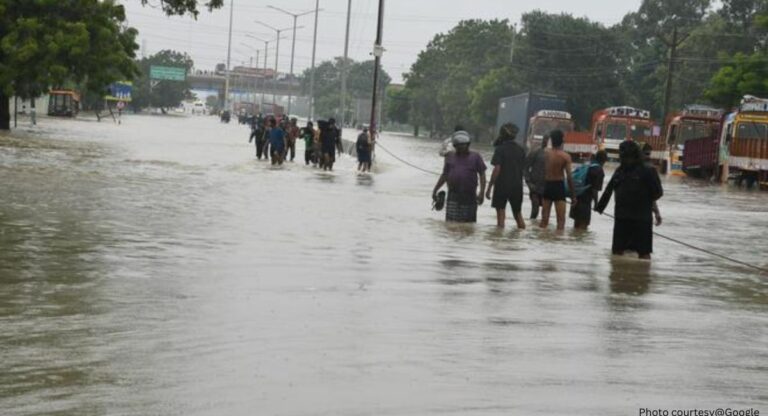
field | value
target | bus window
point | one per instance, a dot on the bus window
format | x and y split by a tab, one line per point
616	131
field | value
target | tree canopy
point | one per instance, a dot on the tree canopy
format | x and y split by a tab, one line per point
461	74
51	43
328	84
166	93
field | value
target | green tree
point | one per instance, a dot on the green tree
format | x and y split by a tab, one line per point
47	43
165	93
743	74
180	7
398	105
327	92
485	95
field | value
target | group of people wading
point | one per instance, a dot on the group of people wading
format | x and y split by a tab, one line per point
547	171
276	141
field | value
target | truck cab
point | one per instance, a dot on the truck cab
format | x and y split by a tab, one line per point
613	125
693	138
544	122
745	136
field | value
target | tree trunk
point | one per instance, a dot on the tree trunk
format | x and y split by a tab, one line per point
5	112
416	131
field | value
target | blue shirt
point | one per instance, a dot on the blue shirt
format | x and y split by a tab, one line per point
277	137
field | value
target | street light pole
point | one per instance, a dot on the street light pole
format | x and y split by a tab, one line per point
344	67
229	55
312	72
293	47
277	57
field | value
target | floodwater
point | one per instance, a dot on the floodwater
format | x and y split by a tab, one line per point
156	268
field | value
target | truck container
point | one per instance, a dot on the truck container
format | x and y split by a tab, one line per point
519	109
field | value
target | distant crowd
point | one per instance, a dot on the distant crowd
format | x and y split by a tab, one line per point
548	173
276	141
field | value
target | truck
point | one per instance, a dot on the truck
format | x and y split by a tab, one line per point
744	142
520	109
693	136
613	125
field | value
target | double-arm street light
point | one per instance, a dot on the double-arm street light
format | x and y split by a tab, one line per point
277	54
293	44
266	55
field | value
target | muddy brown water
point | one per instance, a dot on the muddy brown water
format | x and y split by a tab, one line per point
156	268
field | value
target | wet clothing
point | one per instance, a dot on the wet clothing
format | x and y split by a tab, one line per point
554	191
461	172
363	148
461	207
636	188
583	209
329	140
308	135
277	140
509	184
534	171
292	133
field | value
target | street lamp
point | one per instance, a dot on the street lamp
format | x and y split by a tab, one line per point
266	55
293	43
312	71
253	84
277	56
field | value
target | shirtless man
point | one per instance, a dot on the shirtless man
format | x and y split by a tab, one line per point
557	169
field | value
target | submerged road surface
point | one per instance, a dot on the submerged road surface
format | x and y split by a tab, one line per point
156	268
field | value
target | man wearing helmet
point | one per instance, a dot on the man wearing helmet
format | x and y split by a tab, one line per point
461	171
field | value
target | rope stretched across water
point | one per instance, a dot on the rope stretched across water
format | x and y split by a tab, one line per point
674	240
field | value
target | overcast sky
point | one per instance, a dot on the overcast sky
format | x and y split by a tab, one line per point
408	26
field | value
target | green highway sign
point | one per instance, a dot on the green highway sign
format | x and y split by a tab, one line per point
167	73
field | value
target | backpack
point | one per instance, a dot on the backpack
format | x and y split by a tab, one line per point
580	175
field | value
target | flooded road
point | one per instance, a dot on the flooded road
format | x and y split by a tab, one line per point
156	268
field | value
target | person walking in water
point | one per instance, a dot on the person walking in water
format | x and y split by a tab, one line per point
592	184
363	147
276	142
637	187
329	138
258	136
557	169
647	150
534	175
308	135
506	184
291	134
461	171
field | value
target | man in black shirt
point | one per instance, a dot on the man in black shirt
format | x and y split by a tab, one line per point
506	183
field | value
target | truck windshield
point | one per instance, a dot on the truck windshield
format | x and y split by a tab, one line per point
640	131
692	131
750	130
616	131
544	126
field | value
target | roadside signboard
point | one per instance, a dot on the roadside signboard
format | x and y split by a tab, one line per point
120	91
168	73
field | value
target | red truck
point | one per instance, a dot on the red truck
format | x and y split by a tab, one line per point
693	135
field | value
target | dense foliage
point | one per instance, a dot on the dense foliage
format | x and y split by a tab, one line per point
720	55
165	93
50	43
328	85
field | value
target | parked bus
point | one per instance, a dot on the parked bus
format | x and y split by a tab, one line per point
63	103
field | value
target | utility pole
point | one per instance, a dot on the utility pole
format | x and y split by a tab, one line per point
673	45
378	50
229	55
512	44
312	72
344	67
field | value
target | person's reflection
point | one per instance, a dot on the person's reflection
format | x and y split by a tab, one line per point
630	277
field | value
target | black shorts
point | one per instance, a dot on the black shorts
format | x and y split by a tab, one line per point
554	191
502	196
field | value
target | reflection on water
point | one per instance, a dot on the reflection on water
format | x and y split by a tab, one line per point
157	268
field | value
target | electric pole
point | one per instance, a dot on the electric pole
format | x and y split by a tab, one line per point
229	55
378	50
312	73
344	67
